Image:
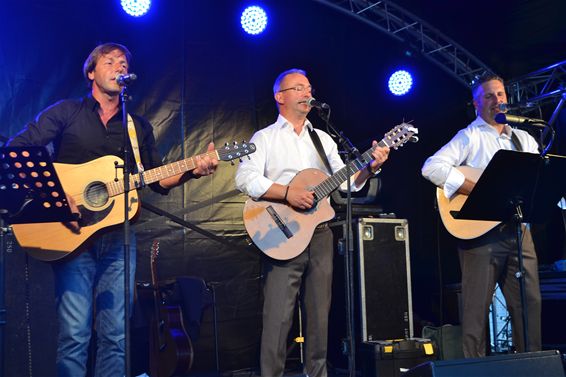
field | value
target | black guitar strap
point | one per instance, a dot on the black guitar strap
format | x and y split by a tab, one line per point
320	149
516	142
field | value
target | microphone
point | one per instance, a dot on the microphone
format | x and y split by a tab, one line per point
126	79
319	105
503	118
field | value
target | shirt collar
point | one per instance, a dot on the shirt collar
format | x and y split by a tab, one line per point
91	102
507	130
282	122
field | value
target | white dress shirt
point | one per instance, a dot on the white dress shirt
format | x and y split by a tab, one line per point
281	154
473	146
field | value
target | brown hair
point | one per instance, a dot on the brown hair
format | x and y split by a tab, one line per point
99	51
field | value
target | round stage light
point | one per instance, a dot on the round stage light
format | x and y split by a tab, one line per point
400	82
136	8
254	20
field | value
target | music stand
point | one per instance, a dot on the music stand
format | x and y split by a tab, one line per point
30	191
517	187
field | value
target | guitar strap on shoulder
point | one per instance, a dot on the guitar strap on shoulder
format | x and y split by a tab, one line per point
516	142
319	148
134	143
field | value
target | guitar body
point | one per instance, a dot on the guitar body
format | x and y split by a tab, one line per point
268	236
85	182
171	348
462	229
281	231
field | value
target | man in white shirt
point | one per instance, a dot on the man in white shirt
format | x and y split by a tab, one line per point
492	257
284	149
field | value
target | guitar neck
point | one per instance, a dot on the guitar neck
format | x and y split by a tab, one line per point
330	184
147	177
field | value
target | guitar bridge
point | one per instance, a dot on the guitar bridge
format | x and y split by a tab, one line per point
277	219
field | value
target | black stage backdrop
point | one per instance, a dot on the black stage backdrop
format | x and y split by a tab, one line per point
202	79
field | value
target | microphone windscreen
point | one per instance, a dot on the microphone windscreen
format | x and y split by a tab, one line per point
501	118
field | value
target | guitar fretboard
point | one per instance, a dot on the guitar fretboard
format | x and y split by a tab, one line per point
153	175
330	184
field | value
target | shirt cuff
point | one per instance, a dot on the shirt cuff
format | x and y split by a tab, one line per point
454	181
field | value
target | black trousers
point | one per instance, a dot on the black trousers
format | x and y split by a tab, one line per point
485	261
312	273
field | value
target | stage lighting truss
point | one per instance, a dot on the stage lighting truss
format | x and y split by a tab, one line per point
539	87
136	8
254	20
400	82
403	26
501	333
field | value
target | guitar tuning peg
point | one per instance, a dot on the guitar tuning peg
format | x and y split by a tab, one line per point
249	157
232	163
226	144
235	143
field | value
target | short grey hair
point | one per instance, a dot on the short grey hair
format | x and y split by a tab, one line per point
279	79
483	78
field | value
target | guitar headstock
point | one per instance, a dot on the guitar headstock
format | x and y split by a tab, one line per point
235	150
400	134
154	250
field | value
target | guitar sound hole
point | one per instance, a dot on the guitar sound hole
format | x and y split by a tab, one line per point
96	194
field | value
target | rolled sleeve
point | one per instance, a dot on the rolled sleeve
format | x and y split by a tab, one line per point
250	177
454	181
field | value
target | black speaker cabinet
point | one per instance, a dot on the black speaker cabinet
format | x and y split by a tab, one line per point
530	364
383	275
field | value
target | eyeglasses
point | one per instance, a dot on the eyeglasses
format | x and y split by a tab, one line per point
300	88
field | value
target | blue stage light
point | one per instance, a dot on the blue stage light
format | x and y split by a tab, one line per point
254	20
136	8
400	82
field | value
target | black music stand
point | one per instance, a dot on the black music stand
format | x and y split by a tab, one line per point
517	187
30	191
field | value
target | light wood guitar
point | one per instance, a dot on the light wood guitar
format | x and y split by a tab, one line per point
462	229
100	199
283	232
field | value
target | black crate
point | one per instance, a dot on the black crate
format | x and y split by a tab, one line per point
391	358
383	277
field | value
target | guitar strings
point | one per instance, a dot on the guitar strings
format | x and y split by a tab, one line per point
104	187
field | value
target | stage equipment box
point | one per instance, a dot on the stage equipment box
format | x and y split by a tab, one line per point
383	276
392	358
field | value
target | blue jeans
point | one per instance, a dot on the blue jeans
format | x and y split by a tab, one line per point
93	283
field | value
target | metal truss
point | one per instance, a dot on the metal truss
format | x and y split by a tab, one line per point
534	89
390	18
501	340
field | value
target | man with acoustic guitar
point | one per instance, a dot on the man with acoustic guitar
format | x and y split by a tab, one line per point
490	256
284	149
83	130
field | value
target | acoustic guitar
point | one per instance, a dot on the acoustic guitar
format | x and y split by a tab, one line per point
283	232
100	199
462	229
170	348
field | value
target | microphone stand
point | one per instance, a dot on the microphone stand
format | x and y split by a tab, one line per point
4	231
349	150
126	170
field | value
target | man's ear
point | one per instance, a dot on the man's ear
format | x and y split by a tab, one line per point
278	97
